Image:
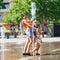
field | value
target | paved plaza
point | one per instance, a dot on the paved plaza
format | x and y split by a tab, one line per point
13	48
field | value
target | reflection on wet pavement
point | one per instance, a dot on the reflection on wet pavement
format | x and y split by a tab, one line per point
49	51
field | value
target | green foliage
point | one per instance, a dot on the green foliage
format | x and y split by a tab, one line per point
46	9
1	3
6	18
18	7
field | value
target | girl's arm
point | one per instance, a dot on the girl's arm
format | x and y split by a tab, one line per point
25	22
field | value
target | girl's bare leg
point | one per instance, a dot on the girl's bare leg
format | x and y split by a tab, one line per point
25	47
29	44
36	49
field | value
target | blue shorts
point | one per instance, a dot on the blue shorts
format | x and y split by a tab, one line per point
29	32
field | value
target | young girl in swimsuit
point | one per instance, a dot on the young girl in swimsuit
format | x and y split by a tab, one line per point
37	38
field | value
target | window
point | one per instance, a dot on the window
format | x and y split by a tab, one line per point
5	6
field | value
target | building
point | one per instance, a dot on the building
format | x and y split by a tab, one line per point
5	9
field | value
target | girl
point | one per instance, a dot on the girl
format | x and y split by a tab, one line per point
28	28
37	38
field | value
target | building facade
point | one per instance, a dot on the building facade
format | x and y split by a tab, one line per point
4	26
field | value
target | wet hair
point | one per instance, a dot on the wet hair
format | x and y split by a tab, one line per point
24	14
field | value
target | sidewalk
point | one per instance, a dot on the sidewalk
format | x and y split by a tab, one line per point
23	39
13	49
19	40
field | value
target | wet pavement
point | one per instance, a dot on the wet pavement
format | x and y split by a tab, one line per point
48	51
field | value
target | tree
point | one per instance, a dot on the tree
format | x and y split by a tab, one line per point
17	7
7	18
48	9
1	3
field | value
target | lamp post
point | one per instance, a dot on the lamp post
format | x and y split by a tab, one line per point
33	10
